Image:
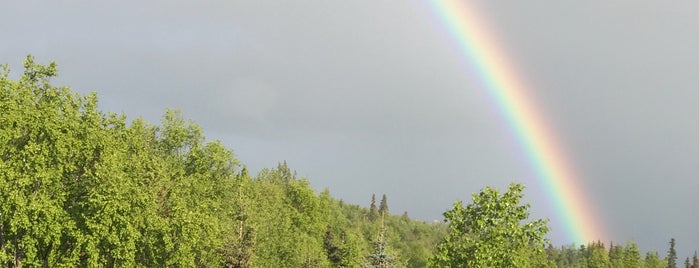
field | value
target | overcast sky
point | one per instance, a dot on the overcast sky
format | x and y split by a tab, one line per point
367	97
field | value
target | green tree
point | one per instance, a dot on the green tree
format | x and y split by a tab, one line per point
84	188
491	232
616	255
373	211
37	123
598	257
380	258
672	255
695	260
632	256
653	260
333	248
383	208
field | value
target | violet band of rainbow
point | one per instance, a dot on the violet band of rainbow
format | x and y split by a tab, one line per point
554	173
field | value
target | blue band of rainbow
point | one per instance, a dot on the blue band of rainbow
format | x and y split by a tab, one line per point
553	171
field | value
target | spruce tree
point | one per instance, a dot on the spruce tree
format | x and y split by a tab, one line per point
616	255
373	211
652	260
672	255
383	208
380	258
695	260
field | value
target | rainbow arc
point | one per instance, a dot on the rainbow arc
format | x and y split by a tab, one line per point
553	170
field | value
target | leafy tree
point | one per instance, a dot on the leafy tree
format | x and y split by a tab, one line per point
36	126
491	232
82	188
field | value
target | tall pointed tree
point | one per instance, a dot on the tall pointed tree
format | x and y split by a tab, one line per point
653	260
616	255
373	211
672	255
380	258
632	256
383	208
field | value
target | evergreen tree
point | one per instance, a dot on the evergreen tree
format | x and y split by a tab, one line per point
632	256
695	260
672	255
598	256
334	251
239	252
380	258
653	260
383	208
373	211
616	255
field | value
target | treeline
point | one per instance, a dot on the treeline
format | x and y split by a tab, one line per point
617	255
81	187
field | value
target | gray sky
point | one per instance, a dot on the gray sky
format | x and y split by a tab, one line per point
370	97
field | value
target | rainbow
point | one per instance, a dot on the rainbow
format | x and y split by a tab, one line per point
554	173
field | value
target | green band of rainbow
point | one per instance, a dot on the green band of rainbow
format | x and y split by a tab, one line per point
553	171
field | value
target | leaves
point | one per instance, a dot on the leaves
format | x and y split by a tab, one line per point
491	232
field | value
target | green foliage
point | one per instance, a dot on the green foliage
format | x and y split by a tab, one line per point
373	211
672	255
632	256
83	188
491	233
379	256
598	256
652	260
383	208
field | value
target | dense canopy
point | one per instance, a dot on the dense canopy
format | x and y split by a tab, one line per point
88	188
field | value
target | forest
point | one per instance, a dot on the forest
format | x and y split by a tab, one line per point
81	187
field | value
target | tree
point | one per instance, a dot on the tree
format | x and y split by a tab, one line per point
383	208
491	232
632	256
653	260
332	248
686	263
373	211
598	256
672	255
695	260
380	258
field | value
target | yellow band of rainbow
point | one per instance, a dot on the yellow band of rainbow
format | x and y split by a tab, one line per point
553	171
